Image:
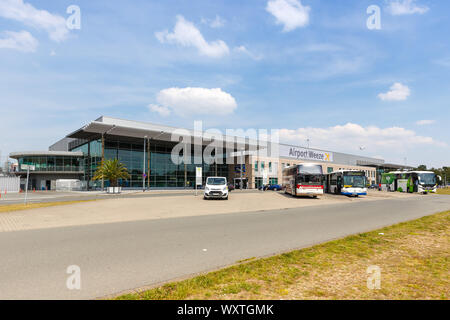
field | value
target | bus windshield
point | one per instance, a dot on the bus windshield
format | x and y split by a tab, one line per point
427	178
355	181
310	169
309	179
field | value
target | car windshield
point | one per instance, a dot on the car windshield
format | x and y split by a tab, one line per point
216	181
427	178
355	181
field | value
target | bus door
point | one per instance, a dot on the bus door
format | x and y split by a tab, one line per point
339	184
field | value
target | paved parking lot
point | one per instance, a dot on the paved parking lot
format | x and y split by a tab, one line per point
52	196
163	205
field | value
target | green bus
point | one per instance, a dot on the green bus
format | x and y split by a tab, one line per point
410	181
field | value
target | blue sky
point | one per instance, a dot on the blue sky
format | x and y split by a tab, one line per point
311	68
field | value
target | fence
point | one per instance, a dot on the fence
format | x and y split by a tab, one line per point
69	185
9	184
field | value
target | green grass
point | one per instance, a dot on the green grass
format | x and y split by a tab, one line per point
444	191
413	257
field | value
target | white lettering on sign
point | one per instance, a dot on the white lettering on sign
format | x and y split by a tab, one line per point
305	154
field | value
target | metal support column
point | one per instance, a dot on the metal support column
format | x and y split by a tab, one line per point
148	164
103	159
143	166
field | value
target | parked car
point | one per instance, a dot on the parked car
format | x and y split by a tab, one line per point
274	187
375	187
216	188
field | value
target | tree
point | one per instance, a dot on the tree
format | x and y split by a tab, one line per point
111	170
422	167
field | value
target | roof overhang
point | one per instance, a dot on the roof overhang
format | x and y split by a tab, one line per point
17	155
140	130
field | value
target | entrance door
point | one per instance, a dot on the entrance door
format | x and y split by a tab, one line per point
48	185
237	183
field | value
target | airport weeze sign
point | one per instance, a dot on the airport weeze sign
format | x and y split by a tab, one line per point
305	154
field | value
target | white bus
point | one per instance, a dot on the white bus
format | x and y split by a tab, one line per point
305	179
410	181
422	182
347	182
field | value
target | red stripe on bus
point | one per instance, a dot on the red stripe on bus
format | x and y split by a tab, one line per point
310	187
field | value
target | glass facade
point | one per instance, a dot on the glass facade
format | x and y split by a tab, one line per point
163	172
52	163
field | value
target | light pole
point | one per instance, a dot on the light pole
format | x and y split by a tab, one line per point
26	185
103	160
241	182
143	166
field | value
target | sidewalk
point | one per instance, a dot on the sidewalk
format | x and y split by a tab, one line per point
49	196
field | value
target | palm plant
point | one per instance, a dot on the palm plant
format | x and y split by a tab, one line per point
111	170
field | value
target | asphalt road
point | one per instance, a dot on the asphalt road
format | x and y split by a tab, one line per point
121	256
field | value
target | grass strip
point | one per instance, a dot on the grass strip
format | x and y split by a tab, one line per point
413	258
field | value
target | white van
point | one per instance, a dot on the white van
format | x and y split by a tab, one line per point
216	188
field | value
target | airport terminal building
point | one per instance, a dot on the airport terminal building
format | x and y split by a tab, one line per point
145	149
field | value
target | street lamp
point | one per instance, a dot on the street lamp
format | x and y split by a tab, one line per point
242	173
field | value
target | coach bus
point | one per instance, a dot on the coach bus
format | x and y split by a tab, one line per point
411	181
417	181
422	182
303	180
347	182
394	181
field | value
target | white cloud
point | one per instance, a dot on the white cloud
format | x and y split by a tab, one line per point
290	13
163	111
25	13
244	50
187	35
349	137
404	7
398	92
217	22
425	122
321	47
22	41
188	101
